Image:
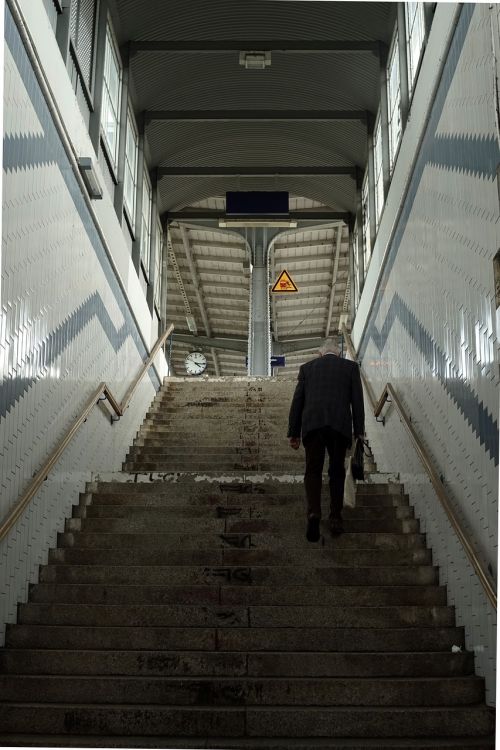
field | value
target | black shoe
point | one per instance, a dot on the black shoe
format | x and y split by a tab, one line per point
336	526
312	533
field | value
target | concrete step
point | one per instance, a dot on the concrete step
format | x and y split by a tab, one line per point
329	639
256	511
238	540
279	576
172	465
255	743
249	721
217	498
337	596
313	556
146	522
248	691
233	664
181	615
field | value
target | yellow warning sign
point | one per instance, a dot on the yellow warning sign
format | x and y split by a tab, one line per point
284	283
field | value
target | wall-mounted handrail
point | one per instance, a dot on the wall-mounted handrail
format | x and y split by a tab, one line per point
119	409
390	395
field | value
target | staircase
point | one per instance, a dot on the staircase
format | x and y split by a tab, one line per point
183	606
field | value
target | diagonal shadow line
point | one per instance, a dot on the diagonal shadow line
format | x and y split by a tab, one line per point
476	414
14	386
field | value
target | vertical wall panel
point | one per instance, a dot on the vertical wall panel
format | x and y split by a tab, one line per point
65	327
432	329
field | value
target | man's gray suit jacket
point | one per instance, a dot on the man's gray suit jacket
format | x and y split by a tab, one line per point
328	393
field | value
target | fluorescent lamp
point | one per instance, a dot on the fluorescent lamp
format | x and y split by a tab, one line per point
242	222
89	177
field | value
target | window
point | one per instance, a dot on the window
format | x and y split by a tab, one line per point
393	101
146	223
130	176
82	33
158	265
367	244
357	275
415	34
378	170
111	96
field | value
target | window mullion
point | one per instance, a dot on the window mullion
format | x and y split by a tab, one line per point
100	55
136	245
404	92
122	141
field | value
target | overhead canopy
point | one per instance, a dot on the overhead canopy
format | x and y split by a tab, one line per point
212	125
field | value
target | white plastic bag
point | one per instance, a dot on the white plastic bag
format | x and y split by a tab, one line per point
349	485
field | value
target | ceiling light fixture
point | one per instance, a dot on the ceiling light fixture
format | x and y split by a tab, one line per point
255	60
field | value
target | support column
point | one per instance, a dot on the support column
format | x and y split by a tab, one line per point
403	67
100	52
63	29
259	356
136	245
384	117
122	137
150	294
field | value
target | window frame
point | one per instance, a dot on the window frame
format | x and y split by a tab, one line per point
414	65
145	246
132	173
366	224
378	169
112	154
394	101
158	267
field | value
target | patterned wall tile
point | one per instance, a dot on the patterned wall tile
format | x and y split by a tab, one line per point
432	330
65	326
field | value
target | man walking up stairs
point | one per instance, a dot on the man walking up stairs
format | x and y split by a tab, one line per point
183	606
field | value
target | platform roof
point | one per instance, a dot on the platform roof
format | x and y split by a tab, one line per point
212	125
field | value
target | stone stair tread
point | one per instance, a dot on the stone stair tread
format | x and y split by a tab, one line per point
255	743
186	601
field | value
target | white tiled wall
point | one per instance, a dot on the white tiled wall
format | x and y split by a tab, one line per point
65	327
431	330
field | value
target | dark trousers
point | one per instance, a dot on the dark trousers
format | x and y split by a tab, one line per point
315	443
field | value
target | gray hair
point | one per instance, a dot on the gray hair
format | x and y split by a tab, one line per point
330	345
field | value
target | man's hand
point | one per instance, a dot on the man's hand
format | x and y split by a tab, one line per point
294	442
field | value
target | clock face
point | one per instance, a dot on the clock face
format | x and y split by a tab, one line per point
195	363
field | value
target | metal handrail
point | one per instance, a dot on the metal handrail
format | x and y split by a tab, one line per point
119	409
389	395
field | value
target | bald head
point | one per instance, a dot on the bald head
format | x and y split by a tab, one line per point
329	346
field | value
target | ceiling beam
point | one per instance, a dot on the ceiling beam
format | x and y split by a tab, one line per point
276	171
250	115
262	45
236	345
204	214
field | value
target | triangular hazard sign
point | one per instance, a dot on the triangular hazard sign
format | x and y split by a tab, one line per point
284	283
